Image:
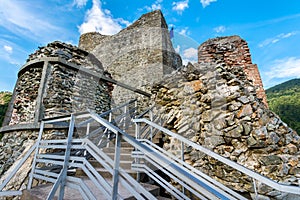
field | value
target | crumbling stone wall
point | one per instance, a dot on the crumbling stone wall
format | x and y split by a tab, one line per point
24	103
13	146
57	79
215	105
89	41
137	56
74	91
234	51
66	85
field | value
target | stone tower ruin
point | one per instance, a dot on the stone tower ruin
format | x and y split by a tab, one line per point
218	102
138	56
58	79
234	51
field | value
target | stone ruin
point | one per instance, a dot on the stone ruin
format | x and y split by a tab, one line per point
58	79
218	102
234	51
139	55
61	79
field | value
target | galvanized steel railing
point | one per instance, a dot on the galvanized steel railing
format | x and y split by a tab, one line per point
185	142
73	153
66	160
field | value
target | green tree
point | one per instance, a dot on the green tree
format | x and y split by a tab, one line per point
284	100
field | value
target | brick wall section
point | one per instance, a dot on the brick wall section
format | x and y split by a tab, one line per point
138	56
234	51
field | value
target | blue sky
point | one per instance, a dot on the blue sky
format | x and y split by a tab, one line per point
271	28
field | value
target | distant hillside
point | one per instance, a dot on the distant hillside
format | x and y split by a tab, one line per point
284	99
4	100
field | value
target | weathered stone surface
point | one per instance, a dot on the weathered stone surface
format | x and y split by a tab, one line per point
246	110
233	51
63	89
138	56
236	132
230	120
24	101
50	89
270	160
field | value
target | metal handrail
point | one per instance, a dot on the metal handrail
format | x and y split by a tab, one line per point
112	168
173	158
254	175
39	141
181	173
157	156
14	171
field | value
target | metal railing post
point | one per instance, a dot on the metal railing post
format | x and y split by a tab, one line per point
88	129
182	158
124	123
137	160
110	120
36	153
135	109
151	127
255	188
67	157
116	166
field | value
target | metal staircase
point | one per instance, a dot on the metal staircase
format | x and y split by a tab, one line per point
91	138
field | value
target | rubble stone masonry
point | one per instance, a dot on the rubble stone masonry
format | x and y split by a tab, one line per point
234	51
138	56
58	79
215	103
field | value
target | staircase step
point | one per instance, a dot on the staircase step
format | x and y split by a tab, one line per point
104	173
162	198
124	156
41	192
112	150
125	164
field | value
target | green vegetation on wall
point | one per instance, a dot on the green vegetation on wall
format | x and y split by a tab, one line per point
4	101
284	100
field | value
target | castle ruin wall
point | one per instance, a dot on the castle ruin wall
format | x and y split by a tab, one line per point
234	51
138	56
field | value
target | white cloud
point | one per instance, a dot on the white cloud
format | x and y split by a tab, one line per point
186	61
220	29
79	3
177	49
155	6
10	53
285	68
277	38
190	53
101	21
280	70
180	6
184	31
206	2
24	19
8	49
